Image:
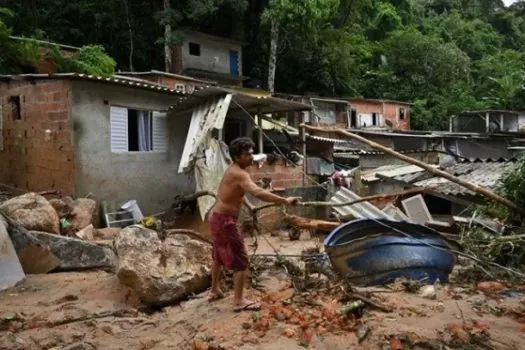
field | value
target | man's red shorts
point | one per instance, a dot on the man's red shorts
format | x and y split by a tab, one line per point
228	242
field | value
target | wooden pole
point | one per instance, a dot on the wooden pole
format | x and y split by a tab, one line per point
303	144
260	126
474	188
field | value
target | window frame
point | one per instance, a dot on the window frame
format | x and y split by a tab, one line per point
154	114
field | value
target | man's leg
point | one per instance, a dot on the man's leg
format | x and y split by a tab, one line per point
215	280
239	303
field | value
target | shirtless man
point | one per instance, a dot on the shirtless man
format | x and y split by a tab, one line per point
228	242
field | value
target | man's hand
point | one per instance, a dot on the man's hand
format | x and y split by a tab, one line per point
292	200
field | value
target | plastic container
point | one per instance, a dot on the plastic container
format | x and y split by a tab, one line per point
134	209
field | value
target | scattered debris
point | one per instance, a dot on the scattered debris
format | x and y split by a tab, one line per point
428	292
87	233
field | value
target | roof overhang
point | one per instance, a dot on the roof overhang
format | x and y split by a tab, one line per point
241	102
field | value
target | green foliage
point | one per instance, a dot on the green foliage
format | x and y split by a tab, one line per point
15	56
442	55
91	59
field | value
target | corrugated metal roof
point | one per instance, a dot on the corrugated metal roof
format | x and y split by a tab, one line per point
353	153
171	75
325	139
210	114
391	171
115	80
484	174
363	210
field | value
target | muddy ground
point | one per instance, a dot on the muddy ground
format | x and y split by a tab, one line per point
91	310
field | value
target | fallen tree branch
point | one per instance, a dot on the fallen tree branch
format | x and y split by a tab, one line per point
95	315
196	195
312	224
370	302
360	200
474	188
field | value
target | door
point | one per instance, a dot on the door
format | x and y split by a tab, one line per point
234	63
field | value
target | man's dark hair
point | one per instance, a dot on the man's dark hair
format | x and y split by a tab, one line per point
240	145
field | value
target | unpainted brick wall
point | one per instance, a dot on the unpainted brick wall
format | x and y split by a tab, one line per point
32	158
388	109
283	177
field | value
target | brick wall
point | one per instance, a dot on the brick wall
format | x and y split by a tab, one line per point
32	158
282	176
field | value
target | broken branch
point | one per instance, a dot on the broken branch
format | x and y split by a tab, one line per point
344	204
474	188
312	224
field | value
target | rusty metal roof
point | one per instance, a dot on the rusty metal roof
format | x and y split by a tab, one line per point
114	80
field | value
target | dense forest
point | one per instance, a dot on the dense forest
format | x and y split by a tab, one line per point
442	55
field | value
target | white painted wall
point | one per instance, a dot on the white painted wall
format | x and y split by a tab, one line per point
149	177
214	53
366	119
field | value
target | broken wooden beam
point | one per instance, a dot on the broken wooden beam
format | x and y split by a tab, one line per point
311	224
474	188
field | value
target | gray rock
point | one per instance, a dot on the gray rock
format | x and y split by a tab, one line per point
41	252
76	254
162	272
33	212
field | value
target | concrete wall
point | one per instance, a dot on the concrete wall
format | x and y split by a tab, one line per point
210	49
37	152
171	82
149	177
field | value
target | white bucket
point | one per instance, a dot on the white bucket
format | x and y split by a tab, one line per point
134	209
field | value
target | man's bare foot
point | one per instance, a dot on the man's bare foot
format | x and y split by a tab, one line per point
214	296
247	305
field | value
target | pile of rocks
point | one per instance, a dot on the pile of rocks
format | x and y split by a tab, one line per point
36	240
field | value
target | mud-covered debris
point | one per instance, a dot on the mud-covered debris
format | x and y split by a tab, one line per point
362	332
428	292
490	287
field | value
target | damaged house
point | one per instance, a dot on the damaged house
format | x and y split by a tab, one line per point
118	138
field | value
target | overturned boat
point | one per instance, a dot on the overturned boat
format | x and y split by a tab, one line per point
377	251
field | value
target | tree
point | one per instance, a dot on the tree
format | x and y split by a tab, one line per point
302	18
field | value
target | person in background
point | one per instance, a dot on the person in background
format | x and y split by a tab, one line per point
229	250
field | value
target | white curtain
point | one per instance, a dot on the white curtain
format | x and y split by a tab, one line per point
144	120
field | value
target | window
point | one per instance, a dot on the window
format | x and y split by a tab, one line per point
134	130
195	49
402	113
14	105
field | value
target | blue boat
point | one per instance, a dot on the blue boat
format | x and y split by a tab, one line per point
377	251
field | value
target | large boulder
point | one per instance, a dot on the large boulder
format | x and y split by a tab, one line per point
41	252
162	272
33	212
83	214
75	254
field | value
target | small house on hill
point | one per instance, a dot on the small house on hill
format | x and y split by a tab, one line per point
209	57
383	114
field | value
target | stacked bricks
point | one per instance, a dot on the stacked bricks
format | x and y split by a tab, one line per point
282	176
38	151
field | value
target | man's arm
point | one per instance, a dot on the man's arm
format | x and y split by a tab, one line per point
248	186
